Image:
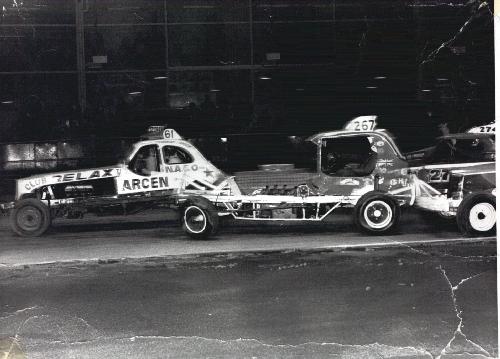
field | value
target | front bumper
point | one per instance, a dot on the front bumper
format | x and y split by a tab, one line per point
6	207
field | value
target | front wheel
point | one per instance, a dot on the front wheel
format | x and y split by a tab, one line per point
476	215
199	222
376	213
30	218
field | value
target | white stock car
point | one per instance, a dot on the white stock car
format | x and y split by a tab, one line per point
125	188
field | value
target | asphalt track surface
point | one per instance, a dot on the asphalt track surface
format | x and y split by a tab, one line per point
138	287
400	302
157	233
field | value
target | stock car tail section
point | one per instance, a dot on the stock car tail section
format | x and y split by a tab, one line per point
69	184
456	179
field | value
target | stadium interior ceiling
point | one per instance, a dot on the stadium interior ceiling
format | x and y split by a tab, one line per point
72	69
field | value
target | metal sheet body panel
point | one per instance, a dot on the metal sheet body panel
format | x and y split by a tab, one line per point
390	172
32	183
439	175
203	178
176	176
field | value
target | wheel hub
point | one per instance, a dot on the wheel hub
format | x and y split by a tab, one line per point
29	218
378	214
195	219
482	217
198	218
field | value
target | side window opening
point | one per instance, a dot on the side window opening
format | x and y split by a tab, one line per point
441	153
473	150
462	151
174	155
348	156
145	161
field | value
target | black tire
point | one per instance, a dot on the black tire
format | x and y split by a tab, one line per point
376	213
476	215
199	219
30	218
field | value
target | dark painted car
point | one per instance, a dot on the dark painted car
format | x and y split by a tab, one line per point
461	167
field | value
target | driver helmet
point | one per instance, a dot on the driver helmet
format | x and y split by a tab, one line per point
169	151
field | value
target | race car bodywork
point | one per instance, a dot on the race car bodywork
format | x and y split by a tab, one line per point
358	167
124	188
460	167
127	178
452	152
370	176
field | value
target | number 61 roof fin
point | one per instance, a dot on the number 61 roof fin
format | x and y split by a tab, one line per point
161	133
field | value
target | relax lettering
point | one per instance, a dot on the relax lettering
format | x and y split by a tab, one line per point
78	176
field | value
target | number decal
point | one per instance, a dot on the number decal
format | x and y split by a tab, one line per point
439	176
362	123
365	125
486	129
168	134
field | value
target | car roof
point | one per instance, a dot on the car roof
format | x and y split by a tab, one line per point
316	139
318	136
163	142
466	136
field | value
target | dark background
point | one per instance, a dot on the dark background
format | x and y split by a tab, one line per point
86	71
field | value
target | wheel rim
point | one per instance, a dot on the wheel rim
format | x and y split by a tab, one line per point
195	219
378	214
29	218
482	217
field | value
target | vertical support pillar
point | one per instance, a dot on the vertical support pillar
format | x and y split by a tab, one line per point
496	44
167	72
80	55
334	27
252	73
420	72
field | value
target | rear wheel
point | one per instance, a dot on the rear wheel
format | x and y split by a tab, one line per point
200	221
30	217
376	213
476	215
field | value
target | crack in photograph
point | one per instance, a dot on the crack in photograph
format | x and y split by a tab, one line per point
248	179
